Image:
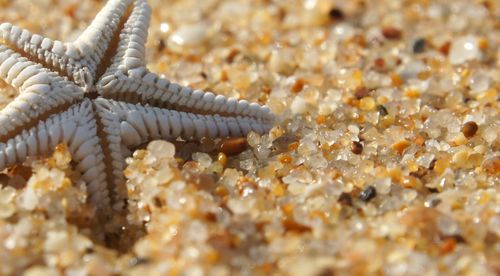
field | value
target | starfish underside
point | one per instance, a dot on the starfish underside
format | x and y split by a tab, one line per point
96	96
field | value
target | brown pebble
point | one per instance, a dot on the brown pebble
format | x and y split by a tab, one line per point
361	92
391	33
356	147
321	119
161	45
298	85
457	237
206	182
469	129
233	146
445	48
382	110
232	55
4	179
336	14
447	245
379	64
292	225
345	199
23	171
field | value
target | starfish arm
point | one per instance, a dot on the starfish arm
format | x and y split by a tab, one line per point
76	128
138	124
96	39
128	78
131	51
127	126
41	92
78	60
63	58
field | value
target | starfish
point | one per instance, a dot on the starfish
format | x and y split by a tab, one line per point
96	96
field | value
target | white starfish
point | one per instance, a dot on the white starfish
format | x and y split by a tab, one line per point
97	96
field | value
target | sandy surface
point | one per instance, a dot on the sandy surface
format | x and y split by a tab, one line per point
385	156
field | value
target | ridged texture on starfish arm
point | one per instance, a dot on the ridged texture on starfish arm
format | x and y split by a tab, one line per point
40	91
57	102
76	128
59	56
128	75
78	60
95	39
